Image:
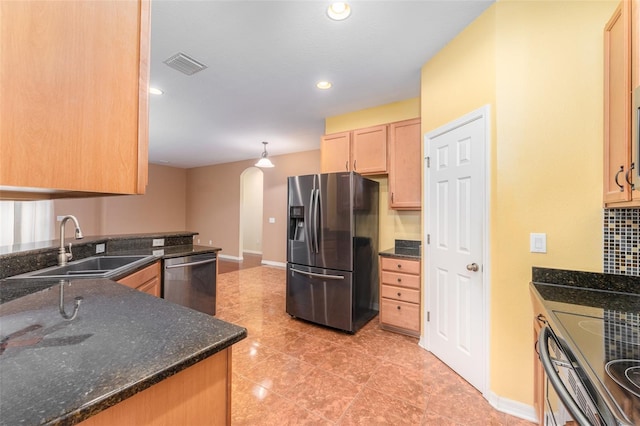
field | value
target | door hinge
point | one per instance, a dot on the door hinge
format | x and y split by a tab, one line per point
428	238
428	316
428	162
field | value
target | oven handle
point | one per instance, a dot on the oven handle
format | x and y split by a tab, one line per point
547	363
184	265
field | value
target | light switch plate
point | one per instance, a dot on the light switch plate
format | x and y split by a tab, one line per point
538	243
272	220
158	242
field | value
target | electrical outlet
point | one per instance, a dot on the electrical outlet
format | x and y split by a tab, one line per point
210	242
158	242
100	248
158	252
272	220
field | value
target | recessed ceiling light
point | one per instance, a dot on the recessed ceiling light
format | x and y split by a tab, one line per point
155	91
323	85
339	10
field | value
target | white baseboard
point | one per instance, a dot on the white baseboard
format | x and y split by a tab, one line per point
253	252
513	408
504	405
276	264
227	257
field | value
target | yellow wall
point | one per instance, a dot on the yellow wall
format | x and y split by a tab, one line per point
394	224
539	65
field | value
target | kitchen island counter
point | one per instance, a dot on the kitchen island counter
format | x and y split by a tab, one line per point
60	369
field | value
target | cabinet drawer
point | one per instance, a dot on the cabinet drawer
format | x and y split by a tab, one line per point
403	280
400	314
401	265
400	293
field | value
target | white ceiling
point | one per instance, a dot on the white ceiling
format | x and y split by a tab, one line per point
264	59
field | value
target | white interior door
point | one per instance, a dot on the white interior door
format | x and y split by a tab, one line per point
455	297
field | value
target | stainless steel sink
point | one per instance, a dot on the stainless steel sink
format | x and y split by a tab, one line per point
91	267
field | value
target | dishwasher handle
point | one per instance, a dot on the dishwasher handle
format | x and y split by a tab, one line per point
552	374
184	265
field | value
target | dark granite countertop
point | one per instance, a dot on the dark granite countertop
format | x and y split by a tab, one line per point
59	371
408	249
585	295
401	253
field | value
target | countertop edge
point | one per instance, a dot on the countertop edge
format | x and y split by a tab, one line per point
97	406
401	254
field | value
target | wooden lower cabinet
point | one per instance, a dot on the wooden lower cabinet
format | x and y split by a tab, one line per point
199	395
146	280
400	301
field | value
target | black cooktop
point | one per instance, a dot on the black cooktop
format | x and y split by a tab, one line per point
598	315
610	344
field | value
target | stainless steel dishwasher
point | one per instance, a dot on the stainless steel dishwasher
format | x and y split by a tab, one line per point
191	281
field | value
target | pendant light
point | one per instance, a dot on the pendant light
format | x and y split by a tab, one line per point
264	161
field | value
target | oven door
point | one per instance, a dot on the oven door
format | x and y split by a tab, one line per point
567	402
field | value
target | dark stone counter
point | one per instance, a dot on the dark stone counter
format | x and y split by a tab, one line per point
61	371
407	249
613	301
16	260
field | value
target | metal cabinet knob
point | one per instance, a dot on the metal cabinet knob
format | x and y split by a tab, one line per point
472	267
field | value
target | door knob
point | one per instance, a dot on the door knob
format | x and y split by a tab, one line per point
472	267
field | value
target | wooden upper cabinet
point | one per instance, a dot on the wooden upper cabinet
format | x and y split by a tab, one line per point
405	173
335	152
617	105
74	109
363	151
369	150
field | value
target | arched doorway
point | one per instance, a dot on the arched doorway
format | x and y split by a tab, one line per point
251	197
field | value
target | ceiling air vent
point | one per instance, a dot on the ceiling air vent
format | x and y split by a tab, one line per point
185	64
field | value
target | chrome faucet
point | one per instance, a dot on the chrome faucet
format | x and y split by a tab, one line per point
63	256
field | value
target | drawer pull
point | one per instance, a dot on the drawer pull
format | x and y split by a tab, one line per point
398	307
399	294
399	265
399	280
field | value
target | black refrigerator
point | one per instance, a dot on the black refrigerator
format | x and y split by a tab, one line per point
332	249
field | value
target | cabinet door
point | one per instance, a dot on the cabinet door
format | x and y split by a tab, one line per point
369	150
617	105
635	108
335	152
73	78
405	165
146	280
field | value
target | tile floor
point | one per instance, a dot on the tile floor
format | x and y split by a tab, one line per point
289	372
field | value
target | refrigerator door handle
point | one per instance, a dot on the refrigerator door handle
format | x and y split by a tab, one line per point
313	274
310	232
316	213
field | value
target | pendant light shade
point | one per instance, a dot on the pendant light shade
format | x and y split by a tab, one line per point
264	161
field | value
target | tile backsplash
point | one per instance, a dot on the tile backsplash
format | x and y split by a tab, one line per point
622	241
